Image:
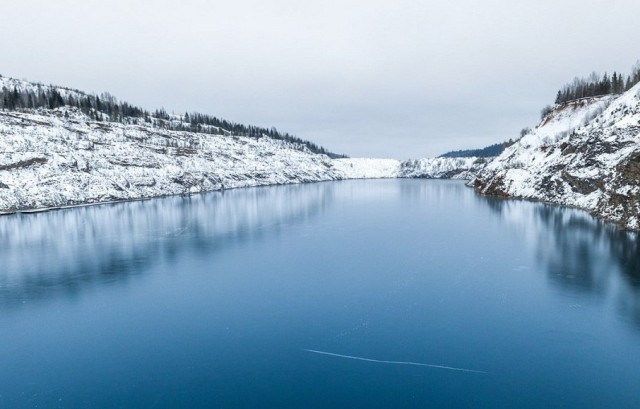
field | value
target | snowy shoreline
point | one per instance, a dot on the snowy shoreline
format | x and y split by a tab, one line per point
60	158
27	211
585	154
143	199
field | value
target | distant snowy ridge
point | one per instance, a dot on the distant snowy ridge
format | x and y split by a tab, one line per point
584	154
443	168
428	168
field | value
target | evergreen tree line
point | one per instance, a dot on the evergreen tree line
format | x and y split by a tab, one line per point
597	85
486	152
107	108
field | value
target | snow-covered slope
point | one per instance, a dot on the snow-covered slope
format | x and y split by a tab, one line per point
47	159
23	85
75	154
585	154
55	158
368	168
427	168
443	168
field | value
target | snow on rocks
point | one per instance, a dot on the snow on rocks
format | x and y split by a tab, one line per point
60	157
47	160
584	154
428	168
443	168
368	168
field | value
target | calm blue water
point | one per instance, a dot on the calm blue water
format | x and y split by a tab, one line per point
210	302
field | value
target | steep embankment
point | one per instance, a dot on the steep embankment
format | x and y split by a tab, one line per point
427	168
63	147
443	168
584	154
60	157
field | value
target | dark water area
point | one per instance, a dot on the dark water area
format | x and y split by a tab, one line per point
356	294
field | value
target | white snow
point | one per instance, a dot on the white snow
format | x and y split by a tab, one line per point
47	160
57	158
367	168
446	168
572	157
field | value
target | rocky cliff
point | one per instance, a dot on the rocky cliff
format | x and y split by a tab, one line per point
585	153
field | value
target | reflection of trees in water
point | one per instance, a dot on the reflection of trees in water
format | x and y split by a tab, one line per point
574	248
63	252
434	190
579	252
626	247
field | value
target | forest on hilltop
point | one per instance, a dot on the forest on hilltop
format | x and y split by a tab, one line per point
597	85
106	107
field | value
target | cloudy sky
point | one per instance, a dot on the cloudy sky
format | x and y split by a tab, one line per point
367	78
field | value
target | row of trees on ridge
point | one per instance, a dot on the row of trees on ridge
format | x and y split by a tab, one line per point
597	85
105	107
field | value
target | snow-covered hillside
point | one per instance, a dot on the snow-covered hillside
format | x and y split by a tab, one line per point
62	147
443	168
367	168
60	158
585	154
55	158
427	168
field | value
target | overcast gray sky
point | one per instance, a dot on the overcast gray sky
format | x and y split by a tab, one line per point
367	78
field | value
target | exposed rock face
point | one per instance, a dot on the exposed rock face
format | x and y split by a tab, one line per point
584	154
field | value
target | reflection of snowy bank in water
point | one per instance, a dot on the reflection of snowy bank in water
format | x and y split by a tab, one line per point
580	254
60	252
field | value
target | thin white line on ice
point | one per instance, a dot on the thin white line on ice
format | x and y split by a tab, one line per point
450	368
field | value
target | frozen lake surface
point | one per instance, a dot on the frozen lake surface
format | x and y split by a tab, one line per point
355	294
